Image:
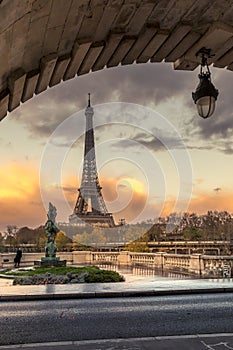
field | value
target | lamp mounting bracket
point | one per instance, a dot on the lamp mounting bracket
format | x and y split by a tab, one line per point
204	52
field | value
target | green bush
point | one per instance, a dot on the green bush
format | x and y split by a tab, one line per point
61	275
103	276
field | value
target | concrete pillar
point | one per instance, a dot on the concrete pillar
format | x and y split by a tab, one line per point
124	258
159	260
195	264
82	258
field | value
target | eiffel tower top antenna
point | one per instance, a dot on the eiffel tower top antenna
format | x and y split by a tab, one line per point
89	100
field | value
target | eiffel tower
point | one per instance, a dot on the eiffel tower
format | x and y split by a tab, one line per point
90	206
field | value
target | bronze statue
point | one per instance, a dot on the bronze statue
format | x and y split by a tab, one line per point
51	230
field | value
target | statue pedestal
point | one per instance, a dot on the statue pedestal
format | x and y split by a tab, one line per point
50	262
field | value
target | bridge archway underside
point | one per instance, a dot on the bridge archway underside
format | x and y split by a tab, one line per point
44	42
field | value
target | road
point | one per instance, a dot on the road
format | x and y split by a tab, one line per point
46	321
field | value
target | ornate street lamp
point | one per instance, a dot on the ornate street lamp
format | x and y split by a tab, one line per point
205	94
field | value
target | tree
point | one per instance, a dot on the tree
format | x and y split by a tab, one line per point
193	234
11	230
10	235
98	236
62	240
83	238
137	247
133	232
36	237
1	242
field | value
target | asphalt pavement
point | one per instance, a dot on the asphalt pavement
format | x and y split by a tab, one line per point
139	286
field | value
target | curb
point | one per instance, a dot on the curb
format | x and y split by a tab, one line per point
117	341
113	294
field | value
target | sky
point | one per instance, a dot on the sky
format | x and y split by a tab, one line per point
155	155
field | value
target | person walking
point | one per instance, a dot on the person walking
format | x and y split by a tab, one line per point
18	257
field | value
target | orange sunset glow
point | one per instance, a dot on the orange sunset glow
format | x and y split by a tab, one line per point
20	200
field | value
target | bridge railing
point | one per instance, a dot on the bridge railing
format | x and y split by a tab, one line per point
178	261
103	257
142	258
205	265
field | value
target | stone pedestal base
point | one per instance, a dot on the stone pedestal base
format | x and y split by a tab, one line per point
50	262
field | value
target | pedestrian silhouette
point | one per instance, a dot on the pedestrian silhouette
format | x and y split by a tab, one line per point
18	257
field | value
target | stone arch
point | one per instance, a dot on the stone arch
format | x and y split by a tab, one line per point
43	42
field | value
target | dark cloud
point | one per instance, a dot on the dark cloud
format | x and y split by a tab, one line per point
148	140
225	147
42	114
200	148
136	83
64	143
69	189
140	84
219	126
217	189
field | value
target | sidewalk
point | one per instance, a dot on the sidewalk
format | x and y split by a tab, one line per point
189	342
133	286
